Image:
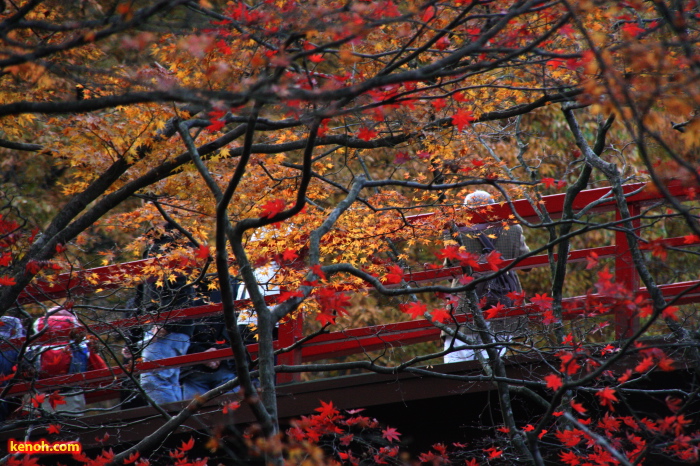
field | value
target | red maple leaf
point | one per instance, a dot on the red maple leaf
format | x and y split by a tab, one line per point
132	458
632	30
394	276
646	364
290	255
570	458
54	429
548	317
494	260
450	253
674	404
441	315
669	312
518	298
318	271
326	317
666	364
607	397
553	381
414	309
461	97
187	446
578	407
626	376
56	399
231	407
568	363
493	452
38	400
548	182
327	410
346	440
689	239
272	208
285	295
494	311
7	281
592	261
202	252
658	249
542	301
570	438
465	279
462	118
215	124
391	434
5	259
366	134
646	311
438	104
401	157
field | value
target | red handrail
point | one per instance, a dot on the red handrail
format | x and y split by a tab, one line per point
352	341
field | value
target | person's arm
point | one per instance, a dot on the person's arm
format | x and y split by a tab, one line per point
95	361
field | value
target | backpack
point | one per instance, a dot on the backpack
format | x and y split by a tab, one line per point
493	292
61	355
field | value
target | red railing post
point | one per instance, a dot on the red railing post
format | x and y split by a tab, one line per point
626	275
290	331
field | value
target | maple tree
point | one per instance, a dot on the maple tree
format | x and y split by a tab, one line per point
302	136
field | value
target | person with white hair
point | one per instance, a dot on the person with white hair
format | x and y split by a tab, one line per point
480	240
478	198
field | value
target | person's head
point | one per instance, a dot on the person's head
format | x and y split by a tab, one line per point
60	320
478	198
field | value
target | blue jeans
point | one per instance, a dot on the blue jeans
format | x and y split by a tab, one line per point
198	382
163	385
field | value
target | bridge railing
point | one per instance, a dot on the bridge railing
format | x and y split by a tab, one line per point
359	340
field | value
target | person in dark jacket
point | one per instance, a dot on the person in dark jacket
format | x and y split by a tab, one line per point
510	243
169	339
209	334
